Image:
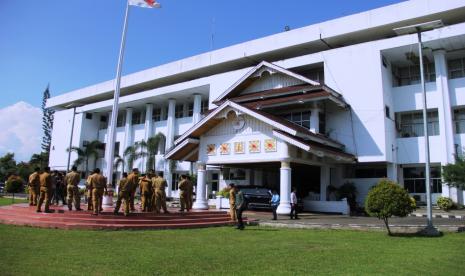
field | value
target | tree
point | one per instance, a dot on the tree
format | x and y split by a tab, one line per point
89	151
134	152
13	185
7	165
454	174
152	145
39	160
388	199
47	123
119	161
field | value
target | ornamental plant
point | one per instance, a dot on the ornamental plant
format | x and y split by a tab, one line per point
388	199
445	203
14	185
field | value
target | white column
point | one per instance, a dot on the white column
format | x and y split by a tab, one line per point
169	142
197	108
200	200
325	179
128	129
107	148
446	128
148	121
315	120
284	207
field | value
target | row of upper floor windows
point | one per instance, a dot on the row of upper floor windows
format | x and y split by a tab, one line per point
409	75
410	124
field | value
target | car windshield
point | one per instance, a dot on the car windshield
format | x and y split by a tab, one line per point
255	191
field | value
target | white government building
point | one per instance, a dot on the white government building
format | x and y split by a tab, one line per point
311	108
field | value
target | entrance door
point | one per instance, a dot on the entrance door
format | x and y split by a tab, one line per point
306	179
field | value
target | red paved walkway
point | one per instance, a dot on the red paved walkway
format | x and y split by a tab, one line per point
22	214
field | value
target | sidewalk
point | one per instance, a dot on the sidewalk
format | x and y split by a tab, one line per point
410	224
438	213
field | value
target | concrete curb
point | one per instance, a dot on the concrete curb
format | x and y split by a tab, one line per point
438	216
362	227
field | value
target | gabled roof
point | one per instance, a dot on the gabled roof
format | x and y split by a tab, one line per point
246	80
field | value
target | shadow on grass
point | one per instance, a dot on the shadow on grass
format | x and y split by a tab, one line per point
418	234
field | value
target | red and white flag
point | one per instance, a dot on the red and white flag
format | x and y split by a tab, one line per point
145	3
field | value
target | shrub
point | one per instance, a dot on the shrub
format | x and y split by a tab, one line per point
14	185
224	192
349	191
445	203
388	199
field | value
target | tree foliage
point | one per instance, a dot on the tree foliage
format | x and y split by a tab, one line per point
388	199
454	174
47	122
134	152
7	165
91	150
152	146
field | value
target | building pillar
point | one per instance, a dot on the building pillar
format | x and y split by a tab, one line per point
284	207
325	181
200	200
169	143
148	121
197	108
445	118
315	120
107	148
128	128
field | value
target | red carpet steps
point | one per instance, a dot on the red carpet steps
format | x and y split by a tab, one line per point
61	218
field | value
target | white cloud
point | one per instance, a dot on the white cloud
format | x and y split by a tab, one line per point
20	130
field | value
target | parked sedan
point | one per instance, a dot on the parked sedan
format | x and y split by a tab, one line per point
257	197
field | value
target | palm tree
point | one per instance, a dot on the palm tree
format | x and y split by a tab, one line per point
119	160
132	153
152	146
90	150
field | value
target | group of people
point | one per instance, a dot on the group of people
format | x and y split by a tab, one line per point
152	190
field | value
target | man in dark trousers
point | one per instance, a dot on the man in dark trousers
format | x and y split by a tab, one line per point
293	213
240	207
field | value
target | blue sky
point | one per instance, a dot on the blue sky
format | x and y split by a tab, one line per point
74	44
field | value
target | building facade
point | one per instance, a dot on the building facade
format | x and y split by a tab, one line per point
311	108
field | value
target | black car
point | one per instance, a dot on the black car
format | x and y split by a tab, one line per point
257	197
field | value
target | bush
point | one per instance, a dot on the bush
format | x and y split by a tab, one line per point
14	185
349	191
224	192
445	203
388	199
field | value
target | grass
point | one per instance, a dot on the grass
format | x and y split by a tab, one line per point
218	251
8	201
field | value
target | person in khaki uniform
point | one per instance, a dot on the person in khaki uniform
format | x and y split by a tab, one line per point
72	180
232	201
34	187
160	185
145	187
98	185
133	179
45	190
184	187
90	207
124	193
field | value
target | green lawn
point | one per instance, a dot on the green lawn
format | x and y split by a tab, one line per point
7	201
25	251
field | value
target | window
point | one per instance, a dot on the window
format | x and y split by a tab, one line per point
411	124
156	116
89	116
179	111
175	181
459	120
137	118
121	120
409	75
103	122
301	118
204	107
116	151
103	118
322	122
456	68
215	181
414	180
233	174
366	171
190	109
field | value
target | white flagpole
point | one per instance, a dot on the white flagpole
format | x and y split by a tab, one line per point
114	112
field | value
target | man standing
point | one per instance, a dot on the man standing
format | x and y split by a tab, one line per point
133	180
124	193
160	185
232	202
240	207
294	204
90	207
145	186
98	185
183	187
274	204
45	190
34	186
72	180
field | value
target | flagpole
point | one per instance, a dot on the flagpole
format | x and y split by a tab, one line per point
114	111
